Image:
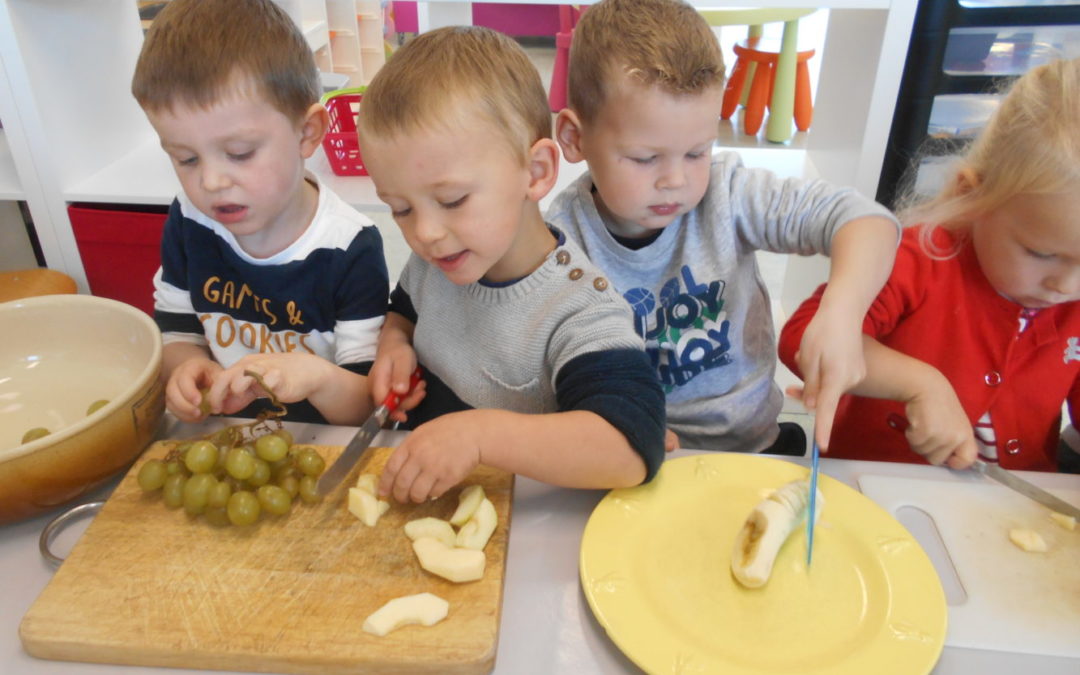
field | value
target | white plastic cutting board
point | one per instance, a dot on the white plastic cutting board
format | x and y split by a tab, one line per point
1015	601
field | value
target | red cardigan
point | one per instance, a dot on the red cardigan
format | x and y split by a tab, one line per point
946	313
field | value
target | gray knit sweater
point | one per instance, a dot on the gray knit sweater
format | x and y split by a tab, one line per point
699	300
503	346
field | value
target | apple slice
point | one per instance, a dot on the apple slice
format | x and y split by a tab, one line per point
368	482
423	608
430	527
475	533
366	507
454	564
468	501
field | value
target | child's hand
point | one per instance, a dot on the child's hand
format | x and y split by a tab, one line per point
938	427
292	377
671	441
831	359
183	392
392	368
432	459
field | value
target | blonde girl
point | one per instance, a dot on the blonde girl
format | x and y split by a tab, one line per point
974	343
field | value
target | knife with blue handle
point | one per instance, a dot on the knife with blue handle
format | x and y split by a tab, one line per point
811	509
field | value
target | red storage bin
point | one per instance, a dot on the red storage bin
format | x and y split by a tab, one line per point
341	144
120	248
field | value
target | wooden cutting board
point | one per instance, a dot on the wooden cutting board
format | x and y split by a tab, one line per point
147	585
1015	601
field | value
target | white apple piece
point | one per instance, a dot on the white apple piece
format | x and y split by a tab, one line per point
1068	522
1027	540
454	564
425	609
468	501
434	528
767	528
368	482
364	504
475	533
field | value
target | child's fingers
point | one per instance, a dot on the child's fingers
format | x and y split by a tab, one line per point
404	480
390	471
828	399
403	370
964	456
671	441
421	488
415	396
795	392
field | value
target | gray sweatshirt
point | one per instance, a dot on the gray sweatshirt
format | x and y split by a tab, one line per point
698	297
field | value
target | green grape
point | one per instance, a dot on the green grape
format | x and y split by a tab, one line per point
308	493
197	493
217	516
34	434
173	467
310	463
201	457
274	499
286	469
219	495
243	508
97	405
240	464
285	434
261	476
290	484
152	475
271	447
173	490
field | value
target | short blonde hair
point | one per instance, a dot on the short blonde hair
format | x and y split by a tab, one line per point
1031	145
447	76
195	49
665	43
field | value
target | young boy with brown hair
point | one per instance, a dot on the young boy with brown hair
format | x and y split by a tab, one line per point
263	268
530	357
676	227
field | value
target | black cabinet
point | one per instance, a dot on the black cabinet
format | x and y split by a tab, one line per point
959	56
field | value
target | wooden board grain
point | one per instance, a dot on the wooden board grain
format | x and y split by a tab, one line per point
147	585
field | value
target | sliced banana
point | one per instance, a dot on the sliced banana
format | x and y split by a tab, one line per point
767	528
1068	522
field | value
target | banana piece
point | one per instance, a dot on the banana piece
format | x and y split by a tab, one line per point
1068	522
1027	540
767	528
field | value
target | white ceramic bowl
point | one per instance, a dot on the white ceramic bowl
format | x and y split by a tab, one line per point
59	354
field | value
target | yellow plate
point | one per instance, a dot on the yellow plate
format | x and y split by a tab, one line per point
656	570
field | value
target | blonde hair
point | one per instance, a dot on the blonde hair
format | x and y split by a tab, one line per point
1031	145
442	77
665	43
195	50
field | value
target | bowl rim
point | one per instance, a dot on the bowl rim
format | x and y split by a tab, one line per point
143	377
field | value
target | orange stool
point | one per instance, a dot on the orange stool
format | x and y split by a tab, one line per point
751	56
568	18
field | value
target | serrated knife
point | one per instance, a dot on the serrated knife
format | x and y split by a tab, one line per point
1029	490
362	440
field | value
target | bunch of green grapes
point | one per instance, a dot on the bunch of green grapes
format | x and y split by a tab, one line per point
231	477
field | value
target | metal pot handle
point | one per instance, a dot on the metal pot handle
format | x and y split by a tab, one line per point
57	523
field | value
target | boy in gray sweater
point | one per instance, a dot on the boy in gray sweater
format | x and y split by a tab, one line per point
530	357
675	227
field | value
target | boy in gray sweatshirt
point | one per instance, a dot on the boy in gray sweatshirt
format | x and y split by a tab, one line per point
676	226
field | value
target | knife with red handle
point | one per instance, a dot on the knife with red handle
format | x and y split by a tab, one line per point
362	440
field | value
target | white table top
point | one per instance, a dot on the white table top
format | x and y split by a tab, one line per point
547	626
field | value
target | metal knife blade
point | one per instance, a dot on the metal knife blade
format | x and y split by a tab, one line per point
362	440
351	455
811	509
1011	480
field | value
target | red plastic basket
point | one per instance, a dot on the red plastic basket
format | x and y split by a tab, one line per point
340	143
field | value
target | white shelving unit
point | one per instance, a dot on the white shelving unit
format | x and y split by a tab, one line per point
74	133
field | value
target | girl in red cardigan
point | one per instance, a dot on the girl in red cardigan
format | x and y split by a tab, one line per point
974	343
